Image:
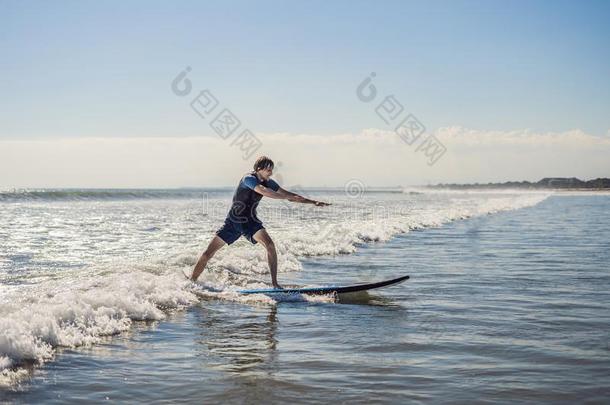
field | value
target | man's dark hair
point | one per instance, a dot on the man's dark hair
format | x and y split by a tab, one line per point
263	162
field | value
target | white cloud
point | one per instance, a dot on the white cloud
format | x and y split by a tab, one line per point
524	137
376	157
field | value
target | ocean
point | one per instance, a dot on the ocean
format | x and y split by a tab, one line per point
508	300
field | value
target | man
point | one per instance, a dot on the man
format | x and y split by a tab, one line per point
242	219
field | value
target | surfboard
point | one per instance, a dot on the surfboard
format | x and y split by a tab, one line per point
327	289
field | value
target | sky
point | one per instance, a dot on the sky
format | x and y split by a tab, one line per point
514	90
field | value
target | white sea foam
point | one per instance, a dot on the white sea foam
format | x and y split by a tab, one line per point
42	318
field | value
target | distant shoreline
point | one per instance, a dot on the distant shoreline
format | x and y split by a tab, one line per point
548	183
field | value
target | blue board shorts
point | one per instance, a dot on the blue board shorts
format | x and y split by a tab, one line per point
232	230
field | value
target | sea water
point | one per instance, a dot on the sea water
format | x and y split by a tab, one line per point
508	298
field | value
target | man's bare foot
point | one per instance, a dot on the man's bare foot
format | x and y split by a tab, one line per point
321	204
279	287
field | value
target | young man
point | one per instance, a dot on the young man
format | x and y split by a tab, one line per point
242	219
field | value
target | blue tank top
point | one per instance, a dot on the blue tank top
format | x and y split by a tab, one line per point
245	199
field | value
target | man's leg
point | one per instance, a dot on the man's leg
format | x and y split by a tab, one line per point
213	247
262	237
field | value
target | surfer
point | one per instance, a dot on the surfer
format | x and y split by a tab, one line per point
242	219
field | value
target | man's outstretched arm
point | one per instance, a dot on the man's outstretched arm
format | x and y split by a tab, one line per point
290	196
282	194
267	192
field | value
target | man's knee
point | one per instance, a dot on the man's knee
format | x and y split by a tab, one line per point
204	257
209	253
269	245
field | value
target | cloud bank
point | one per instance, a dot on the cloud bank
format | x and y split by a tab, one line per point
375	157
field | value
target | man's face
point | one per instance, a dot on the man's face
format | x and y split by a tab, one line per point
266	173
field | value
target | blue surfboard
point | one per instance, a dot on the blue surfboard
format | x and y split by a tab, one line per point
327	289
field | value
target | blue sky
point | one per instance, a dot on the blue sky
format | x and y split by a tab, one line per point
104	68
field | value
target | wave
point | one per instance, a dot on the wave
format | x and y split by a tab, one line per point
36	321
103	194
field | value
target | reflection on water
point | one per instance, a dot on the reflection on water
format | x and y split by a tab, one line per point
239	344
365	298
